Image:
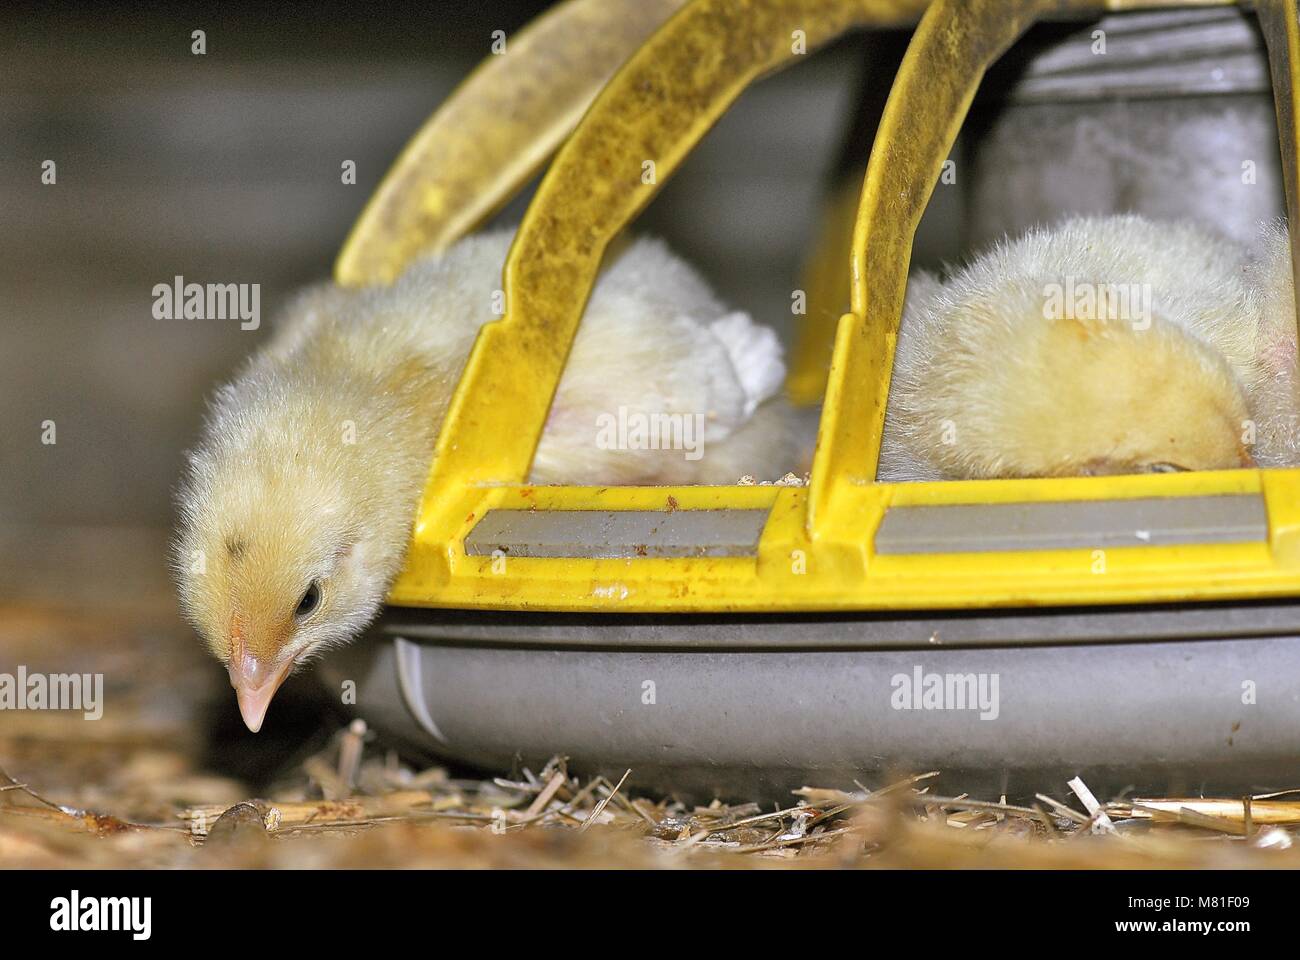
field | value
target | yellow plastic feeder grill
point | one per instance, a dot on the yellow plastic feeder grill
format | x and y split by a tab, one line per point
845	567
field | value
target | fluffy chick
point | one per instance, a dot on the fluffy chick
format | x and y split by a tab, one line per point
1271	375
1007	369
299	499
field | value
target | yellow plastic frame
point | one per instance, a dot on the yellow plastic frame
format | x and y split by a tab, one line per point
815	552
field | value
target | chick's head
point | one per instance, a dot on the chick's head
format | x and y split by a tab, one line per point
1089	395
1134	400
279	555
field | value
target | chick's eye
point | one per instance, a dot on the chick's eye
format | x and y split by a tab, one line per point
310	600
1165	468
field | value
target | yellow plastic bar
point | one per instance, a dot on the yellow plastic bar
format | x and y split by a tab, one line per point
494	132
772	582
955	43
826	285
827	271
645	121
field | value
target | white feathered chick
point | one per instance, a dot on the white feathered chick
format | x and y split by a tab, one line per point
299	499
1102	345
1271	375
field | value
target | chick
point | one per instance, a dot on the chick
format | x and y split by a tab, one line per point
1103	345
299	499
1271	375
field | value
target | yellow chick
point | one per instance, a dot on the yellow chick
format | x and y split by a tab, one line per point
1103	345
1271	376
299	498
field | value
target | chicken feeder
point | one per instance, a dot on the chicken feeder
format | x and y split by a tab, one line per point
1139	630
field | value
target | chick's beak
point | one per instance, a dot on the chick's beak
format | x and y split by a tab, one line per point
255	682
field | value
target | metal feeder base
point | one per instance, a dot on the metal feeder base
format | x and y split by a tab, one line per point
1202	699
